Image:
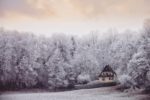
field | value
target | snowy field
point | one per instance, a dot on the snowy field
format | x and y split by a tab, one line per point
104	93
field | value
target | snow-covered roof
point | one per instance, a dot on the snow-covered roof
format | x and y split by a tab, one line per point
107	68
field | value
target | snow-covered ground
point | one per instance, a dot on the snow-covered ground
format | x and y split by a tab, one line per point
103	93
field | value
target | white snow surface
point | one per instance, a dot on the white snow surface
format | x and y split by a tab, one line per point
103	93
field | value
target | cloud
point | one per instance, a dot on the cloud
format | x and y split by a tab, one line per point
97	8
17	6
74	9
24	8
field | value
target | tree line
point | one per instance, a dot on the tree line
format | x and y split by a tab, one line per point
62	61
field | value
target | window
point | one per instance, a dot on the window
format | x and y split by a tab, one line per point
111	74
111	78
106	74
103	78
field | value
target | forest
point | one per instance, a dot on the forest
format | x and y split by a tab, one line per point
62	61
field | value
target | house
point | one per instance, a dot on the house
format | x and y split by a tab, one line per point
107	75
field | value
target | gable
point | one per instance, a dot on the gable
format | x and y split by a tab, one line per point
107	72
107	68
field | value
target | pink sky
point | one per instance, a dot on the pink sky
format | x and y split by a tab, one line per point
72	16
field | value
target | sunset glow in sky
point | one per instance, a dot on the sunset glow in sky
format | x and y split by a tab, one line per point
72	16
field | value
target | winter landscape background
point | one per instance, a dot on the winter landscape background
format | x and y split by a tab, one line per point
54	46
62	61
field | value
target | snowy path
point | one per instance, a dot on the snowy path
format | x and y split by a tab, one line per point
104	93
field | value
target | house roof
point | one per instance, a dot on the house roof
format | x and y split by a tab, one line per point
107	68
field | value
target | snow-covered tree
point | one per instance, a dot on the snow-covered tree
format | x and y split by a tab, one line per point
139	65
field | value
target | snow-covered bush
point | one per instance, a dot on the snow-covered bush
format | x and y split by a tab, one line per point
125	81
83	79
